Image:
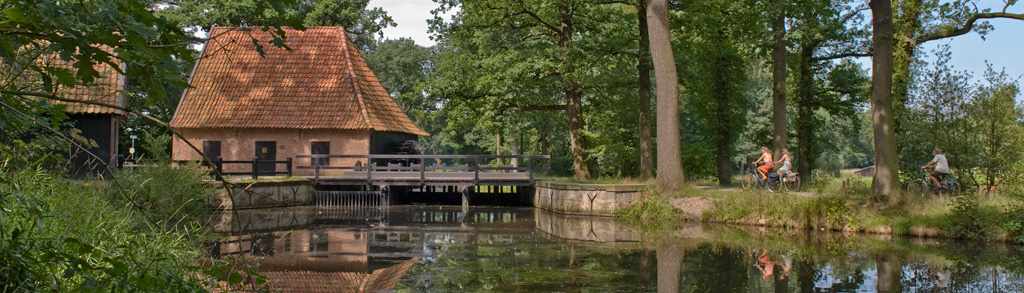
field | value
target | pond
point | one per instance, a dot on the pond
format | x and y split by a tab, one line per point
499	249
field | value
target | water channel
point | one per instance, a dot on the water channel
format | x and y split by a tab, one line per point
500	249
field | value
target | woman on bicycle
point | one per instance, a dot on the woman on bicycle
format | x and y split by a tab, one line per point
766	158
785	169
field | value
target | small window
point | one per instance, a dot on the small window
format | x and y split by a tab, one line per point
211	149
321	148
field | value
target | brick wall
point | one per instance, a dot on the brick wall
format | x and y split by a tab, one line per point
239	144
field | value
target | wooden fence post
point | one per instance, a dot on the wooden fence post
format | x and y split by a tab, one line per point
531	170
255	168
289	164
476	171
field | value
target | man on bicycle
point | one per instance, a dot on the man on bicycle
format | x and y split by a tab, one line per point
940	164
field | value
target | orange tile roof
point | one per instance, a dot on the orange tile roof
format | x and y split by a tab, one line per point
104	89
322	83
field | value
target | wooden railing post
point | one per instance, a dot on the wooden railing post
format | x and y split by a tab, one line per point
316	167
289	165
369	171
476	171
255	168
531	170
423	173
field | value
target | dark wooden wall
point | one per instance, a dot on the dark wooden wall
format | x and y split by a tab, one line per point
103	129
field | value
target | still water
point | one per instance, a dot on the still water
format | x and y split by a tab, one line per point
448	249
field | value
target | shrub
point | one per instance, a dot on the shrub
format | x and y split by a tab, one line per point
652	214
172	196
967	220
57	236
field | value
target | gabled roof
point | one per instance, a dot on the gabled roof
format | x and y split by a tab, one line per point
322	83
104	89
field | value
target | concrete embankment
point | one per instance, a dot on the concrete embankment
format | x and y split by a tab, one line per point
261	194
585	199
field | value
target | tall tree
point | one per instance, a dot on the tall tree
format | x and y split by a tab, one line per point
886	179
525	55
643	67
824	31
670	170
999	132
780	135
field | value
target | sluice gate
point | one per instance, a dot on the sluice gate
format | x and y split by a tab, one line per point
364	199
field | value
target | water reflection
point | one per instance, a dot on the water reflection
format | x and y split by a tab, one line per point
441	249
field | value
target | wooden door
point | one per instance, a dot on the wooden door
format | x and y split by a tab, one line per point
266	151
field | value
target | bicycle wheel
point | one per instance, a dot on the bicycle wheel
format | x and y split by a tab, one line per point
793	185
917	187
747	181
953	188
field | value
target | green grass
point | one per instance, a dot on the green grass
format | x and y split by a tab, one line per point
1000	218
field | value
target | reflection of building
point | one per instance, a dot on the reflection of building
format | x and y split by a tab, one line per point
300	281
318	96
332	251
319	260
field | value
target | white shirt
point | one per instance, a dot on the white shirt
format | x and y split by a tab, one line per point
940	164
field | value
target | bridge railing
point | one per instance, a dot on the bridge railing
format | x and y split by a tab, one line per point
255	167
428	163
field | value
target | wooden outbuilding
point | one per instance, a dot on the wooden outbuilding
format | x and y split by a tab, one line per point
95	127
319	97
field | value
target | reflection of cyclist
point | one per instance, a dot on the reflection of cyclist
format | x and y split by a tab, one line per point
766	158
940	164
765	265
786	167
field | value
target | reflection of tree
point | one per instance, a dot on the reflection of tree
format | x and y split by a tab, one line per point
888	268
670	260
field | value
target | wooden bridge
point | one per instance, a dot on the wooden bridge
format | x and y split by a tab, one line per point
429	170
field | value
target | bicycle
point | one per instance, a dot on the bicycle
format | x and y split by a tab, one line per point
921	186
753	180
791	181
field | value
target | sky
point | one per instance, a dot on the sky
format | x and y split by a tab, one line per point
1002	47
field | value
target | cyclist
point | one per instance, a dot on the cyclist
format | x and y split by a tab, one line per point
940	164
769	165
785	169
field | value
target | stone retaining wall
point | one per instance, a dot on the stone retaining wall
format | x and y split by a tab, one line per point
262	194
585	199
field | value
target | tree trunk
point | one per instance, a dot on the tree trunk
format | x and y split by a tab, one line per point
886	180
670	169
779	134
573	97
724	164
643	66
513	145
805	111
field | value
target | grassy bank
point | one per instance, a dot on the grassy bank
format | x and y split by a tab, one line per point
964	216
143	234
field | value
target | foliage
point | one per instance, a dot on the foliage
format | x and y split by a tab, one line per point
967	220
56	237
174	197
976	126
997	125
360	23
652	214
